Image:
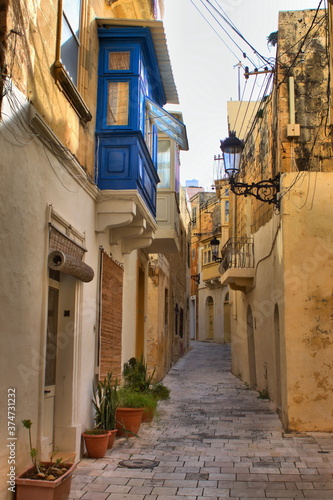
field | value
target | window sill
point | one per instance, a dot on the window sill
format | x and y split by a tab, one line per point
71	92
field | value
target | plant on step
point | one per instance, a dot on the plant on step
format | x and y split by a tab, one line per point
105	403
44	471
263	394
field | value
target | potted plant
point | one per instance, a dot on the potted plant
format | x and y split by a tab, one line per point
43	480
130	410
137	379
105	403
96	441
135	375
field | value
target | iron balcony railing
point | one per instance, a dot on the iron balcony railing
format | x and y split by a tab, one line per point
238	253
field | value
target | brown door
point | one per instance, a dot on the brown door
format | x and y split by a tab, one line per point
50	367
140	323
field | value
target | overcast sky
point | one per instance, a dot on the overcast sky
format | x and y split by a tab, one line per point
206	68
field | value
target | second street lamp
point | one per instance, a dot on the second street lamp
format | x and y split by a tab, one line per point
266	190
215	246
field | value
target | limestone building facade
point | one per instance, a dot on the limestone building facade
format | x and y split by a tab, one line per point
280	267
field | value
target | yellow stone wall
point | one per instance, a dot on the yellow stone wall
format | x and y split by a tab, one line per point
282	326
31	55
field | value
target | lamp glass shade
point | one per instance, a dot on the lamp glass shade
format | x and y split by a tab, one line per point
215	246
232	148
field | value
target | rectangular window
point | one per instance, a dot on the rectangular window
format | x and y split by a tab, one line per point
194	216
166	308
118	98
164	163
226	211
70	37
119	61
66	65
206	255
181	322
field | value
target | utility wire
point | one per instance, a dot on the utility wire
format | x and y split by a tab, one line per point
301	46
226	32
233	27
233	53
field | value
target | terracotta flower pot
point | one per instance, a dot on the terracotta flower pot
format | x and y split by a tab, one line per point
128	421
112	437
28	489
96	444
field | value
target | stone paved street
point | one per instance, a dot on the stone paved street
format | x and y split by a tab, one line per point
213	439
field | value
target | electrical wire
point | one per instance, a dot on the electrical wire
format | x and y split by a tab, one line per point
223	41
226	32
303	39
233	27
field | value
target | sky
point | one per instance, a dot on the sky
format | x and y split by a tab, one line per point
206	68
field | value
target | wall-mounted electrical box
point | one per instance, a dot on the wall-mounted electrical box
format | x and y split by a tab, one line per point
293	130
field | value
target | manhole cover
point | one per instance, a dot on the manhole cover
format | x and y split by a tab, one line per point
138	463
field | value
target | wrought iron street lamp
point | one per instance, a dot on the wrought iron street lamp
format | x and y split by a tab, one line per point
215	247
266	190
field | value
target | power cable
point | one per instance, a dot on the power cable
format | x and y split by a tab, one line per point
301	46
243	53
233	53
233	27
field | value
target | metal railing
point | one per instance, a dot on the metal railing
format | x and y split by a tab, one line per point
238	253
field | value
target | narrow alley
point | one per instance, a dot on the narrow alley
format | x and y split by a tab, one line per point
213	439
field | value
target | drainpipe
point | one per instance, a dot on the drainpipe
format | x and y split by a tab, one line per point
293	129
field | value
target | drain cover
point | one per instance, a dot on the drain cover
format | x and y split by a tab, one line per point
138	463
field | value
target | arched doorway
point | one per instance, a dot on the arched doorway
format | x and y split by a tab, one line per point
210	318
226	320
277	356
251	349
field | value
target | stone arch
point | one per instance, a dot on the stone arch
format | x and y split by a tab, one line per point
226	319
210	318
251	349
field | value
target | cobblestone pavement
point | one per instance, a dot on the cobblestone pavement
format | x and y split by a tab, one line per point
213	439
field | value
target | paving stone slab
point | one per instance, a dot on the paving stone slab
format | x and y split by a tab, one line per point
213	439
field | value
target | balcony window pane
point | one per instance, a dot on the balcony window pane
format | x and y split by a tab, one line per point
226	211
70	36
117	112
164	164
119	61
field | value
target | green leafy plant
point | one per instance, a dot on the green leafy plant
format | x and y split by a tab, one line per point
105	403
272	38
33	451
95	432
47	471
263	394
135	375
160	391
133	399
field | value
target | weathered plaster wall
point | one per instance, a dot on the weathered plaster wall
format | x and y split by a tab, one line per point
265	296
308	264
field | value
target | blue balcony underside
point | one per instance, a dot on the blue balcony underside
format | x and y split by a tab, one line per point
124	163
